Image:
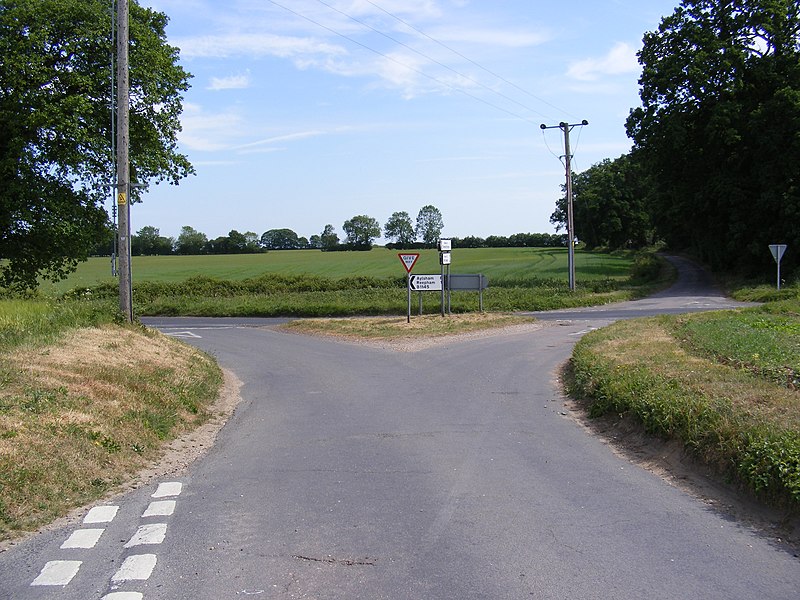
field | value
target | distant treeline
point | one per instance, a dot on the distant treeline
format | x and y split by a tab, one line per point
148	242
517	240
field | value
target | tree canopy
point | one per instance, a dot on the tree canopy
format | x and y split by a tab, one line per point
280	239
717	131
400	228
609	205
429	224
361	230
55	127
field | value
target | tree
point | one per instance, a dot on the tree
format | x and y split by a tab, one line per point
280	239
190	241
361	230
717	129
328	240
315	241
429	224
609	205
400	228
148	241
55	127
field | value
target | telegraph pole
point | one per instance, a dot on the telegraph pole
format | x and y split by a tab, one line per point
566	128
123	162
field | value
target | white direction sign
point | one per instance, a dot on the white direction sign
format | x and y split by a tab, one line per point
425	283
777	251
409	260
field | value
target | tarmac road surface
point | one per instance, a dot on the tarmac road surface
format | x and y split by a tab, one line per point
355	472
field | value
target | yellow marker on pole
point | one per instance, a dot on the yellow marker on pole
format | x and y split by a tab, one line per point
122	200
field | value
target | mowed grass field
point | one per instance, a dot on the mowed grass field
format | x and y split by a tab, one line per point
500	264
311	283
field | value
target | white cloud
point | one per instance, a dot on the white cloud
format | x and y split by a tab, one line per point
620	59
259	145
209	132
233	82
255	45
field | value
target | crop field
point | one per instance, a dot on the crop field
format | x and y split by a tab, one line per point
507	266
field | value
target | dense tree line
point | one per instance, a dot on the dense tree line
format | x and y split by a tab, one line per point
715	168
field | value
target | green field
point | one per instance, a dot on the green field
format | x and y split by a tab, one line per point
502	265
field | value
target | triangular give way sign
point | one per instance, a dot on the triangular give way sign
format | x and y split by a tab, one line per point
409	260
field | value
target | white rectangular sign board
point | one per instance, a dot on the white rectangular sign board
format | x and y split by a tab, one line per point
425	283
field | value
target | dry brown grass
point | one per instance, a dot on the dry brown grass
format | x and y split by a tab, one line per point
80	416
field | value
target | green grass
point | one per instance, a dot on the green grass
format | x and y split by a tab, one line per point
85	403
725	384
41	321
311	283
498	263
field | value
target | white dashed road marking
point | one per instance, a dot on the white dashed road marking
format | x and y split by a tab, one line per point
101	514
148	534
83	538
58	572
162	508
167	489
136	568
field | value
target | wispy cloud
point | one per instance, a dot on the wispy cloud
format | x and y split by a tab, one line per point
254	45
267	144
209	132
619	60
233	82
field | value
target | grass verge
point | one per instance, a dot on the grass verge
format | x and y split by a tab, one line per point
724	384
397	327
82	409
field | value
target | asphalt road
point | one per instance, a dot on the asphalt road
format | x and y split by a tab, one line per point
352	472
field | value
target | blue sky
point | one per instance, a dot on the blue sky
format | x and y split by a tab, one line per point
308	112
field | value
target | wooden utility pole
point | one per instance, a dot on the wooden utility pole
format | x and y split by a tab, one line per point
566	128
123	162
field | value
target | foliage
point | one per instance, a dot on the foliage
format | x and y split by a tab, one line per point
429	224
609	206
55	127
190	241
717	130
328	239
280	239
234	243
517	240
361	230
149	241
400	228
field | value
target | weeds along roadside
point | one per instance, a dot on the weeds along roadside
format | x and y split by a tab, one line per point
726	384
275	295
85	403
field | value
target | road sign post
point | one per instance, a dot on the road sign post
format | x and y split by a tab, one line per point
777	251
408	260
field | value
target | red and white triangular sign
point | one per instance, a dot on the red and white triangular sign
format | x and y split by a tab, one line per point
409	260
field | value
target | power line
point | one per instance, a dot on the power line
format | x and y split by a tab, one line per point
433	60
402	64
468	59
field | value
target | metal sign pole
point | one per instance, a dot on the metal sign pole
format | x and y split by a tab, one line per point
408	294
442	288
